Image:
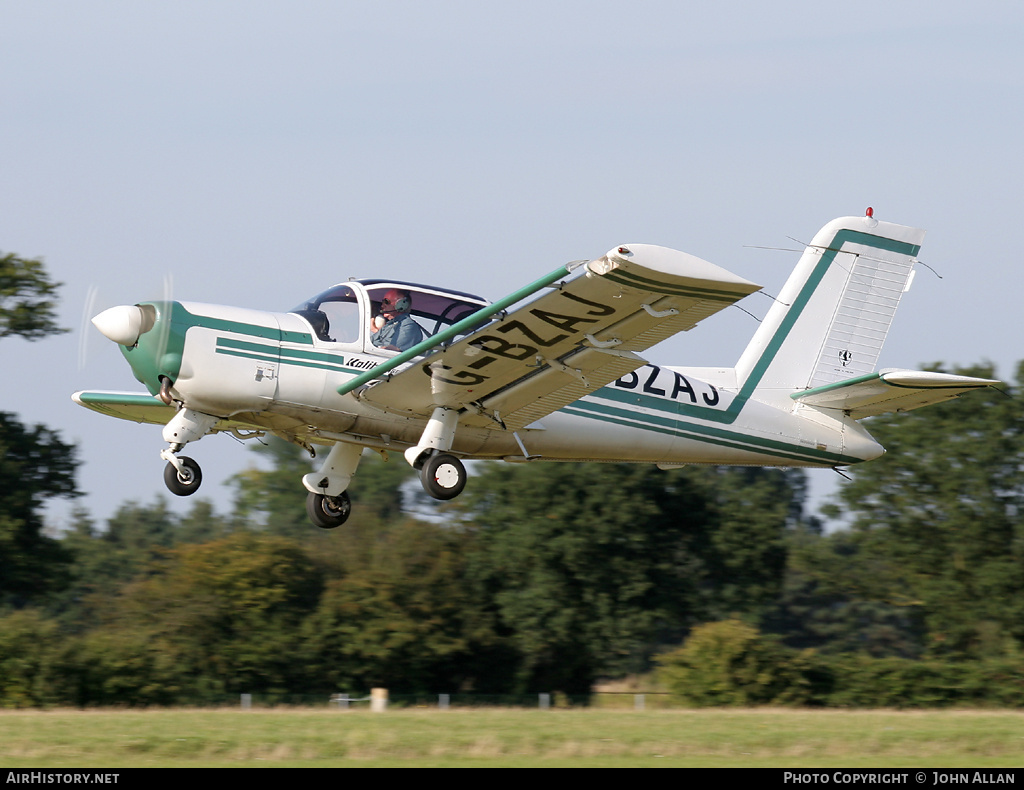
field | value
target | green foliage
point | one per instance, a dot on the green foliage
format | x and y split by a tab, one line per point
859	681
750	513
400	614
35	464
937	519
29	642
274	500
123	666
227	611
27	299
840	597
588	567
732	663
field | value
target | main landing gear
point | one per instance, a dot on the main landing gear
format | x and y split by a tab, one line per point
327	503
328	512
443	476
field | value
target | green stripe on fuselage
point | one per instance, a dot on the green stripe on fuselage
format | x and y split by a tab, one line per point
707	434
286	356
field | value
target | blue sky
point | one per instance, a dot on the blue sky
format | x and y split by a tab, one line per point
257	152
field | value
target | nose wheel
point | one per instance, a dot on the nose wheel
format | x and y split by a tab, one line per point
328	512
443	476
183	481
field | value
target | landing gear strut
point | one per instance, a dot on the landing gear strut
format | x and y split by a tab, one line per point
442	474
182	475
327	504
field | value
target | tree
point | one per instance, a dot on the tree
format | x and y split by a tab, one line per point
402	616
842	596
732	663
27	299
37	465
274	500
589	568
939	517
34	462
227	612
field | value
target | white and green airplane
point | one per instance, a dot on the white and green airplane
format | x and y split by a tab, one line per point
551	372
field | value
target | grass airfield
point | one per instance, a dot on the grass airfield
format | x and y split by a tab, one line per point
492	737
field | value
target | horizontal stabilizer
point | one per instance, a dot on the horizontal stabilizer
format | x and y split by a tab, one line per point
889	391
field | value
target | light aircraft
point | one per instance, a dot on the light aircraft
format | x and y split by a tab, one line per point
555	377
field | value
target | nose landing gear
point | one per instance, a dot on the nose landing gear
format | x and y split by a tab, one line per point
182	475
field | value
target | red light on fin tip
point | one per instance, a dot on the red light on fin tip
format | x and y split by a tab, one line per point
870	212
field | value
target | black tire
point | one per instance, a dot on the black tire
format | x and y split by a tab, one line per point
328	512
186	483
443	476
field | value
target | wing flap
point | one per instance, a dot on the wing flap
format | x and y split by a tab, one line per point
890	391
539	357
554	385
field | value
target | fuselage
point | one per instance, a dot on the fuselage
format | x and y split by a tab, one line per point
281	372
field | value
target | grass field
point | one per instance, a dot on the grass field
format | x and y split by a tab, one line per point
502	737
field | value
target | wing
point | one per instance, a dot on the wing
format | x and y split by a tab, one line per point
134	406
579	336
142	407
890	390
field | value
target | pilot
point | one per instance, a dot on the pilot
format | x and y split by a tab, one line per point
394	328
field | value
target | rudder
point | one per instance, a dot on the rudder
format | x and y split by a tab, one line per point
832	316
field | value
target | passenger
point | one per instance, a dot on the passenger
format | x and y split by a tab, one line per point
394	328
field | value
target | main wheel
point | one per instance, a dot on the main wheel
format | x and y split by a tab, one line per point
185	482
443	476
328	512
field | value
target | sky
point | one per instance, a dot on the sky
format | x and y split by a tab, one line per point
254	153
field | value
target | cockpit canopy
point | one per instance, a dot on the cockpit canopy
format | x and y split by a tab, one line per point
343	313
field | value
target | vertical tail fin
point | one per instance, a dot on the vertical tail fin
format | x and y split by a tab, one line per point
832	316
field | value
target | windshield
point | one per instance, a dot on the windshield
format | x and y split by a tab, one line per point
334	314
